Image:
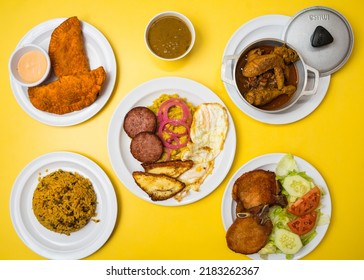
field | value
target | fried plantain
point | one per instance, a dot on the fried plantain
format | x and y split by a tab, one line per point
173	168
158	186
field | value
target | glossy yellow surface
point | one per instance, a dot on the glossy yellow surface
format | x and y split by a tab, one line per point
331	138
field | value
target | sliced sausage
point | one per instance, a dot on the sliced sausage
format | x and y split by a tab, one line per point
146	147
139	119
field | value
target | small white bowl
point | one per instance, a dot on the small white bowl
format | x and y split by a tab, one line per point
170	14
14	60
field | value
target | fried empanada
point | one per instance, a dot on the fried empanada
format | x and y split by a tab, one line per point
68	93
66	49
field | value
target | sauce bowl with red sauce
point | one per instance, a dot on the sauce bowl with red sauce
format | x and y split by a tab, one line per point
29	65
303	76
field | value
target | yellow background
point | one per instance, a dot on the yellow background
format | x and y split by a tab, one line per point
331	138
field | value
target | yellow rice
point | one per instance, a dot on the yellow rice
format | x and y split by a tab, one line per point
64	202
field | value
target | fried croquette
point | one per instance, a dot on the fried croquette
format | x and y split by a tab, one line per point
68	93
247	235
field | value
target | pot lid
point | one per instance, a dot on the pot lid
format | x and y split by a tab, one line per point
322	36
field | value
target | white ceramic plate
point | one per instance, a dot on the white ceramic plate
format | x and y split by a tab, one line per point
99	53
269	162
49	244
270	26
119	143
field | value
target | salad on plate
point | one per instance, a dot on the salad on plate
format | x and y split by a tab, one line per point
294	226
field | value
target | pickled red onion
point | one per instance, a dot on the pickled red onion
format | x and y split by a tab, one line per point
173	141
166	105
173	136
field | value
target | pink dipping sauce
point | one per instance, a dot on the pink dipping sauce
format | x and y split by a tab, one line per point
32	66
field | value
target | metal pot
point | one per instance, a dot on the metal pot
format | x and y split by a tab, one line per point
303	71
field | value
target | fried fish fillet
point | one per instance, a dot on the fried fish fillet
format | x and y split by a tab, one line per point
66	49
69	93
173	168
247	235
158	186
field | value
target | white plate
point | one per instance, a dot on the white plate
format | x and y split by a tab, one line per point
270	26
49	244
99	53
119	143
269	162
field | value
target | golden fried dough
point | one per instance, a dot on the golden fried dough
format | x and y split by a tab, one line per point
68	93
247	235
158	186
66	49
173	168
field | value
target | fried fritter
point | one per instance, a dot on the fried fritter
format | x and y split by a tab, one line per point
247	235
66	49
158	186
257	188
68	93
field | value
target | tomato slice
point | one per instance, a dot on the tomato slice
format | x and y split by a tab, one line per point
306	203
303	224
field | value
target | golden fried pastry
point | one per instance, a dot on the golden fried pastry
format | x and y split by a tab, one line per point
68	93
66	49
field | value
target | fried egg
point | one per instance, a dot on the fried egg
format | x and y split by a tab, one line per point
196	174
208	132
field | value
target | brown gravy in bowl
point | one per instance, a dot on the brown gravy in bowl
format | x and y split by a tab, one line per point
245	84
169	37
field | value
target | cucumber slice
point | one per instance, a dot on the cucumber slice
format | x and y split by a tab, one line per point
296	185
286	241
285	165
